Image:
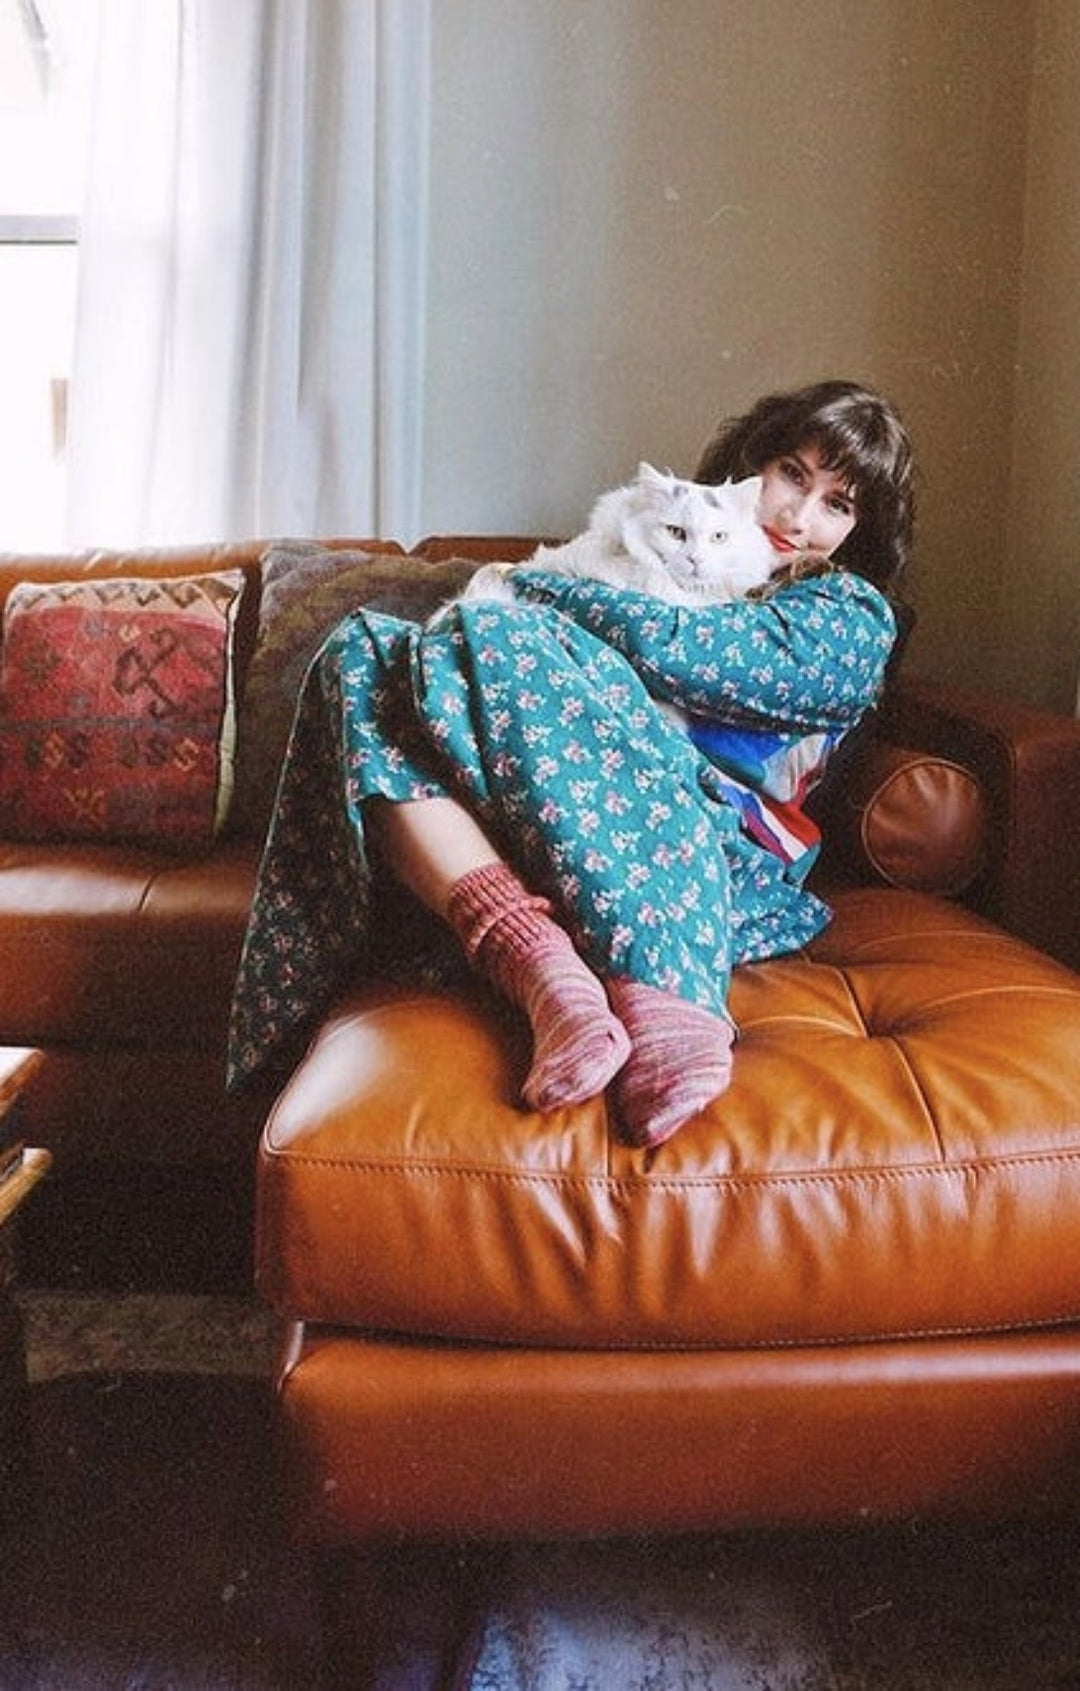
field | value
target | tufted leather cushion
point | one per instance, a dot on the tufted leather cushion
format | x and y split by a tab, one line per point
899	1154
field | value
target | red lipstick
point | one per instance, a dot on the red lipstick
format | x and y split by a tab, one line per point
779	542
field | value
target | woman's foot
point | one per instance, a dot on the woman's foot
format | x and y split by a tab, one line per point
509	934
680	1060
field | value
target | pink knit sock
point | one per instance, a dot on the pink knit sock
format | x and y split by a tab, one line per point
509	933
680	1059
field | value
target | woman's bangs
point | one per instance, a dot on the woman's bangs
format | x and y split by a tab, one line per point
863	465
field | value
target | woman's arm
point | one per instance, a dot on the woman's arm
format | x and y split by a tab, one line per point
812	656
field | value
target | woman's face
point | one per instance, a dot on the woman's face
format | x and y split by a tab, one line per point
803	506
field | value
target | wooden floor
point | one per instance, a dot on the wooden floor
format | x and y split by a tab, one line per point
149	1555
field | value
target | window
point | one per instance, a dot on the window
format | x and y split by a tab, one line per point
46	59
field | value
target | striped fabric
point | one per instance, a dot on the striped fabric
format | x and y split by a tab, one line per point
767	775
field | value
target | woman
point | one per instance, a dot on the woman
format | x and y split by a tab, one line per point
510	766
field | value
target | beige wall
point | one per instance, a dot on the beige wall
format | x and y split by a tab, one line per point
644	214
1037	650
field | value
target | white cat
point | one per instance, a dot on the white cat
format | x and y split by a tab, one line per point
681	541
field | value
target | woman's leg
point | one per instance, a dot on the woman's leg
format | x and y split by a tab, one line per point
679	1056
555	735
359	775
429	844
438	850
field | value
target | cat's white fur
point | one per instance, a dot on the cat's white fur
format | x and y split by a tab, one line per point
681	541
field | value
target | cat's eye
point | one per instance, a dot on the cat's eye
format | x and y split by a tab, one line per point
721	537
675	531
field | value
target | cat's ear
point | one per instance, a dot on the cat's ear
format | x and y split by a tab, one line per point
747	494
647	476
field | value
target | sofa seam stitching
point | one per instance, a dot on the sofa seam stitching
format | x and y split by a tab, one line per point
969	1167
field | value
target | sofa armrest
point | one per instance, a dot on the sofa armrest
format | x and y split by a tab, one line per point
1027	764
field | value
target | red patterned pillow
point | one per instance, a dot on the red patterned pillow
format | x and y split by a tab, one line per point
116	709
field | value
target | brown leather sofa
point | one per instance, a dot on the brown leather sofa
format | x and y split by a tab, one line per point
118	962
848	1291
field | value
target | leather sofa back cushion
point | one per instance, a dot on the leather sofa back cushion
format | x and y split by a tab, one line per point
115	947
898	1154
909	819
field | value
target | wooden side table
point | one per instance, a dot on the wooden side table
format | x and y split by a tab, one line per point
19	1179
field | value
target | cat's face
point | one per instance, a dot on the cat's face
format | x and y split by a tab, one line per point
706	539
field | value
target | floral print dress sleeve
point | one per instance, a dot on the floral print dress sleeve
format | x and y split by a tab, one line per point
811	657
769	687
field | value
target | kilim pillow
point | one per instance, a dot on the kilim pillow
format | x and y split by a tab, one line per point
116	709
306	591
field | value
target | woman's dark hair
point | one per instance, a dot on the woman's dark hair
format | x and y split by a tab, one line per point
860	437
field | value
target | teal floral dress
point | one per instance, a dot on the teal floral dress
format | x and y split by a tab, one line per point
673	843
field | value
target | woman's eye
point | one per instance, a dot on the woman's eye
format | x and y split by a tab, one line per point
792	469
675	532
842	507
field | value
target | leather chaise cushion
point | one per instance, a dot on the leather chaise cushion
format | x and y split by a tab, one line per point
899	1154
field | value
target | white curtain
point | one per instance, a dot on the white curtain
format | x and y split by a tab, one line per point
249	341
